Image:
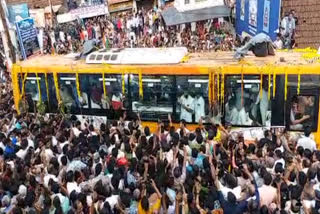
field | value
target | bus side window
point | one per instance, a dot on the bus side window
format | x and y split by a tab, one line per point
32	94
156	102
246	104
192	98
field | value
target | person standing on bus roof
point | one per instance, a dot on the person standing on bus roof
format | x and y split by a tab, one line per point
187	107
199	107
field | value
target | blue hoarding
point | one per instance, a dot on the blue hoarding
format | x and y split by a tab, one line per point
18	12
256	16
27	34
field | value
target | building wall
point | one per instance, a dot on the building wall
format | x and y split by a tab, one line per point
35	3
308	29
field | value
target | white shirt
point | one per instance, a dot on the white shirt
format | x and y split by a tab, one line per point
225	190
47	178
73	186
199	107
76	131
307	143
61	35
21	153
112	200
188	102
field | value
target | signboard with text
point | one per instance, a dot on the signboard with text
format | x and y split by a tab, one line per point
256	16
83	12
27	35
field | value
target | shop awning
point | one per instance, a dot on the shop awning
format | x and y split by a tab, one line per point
116	1
172	16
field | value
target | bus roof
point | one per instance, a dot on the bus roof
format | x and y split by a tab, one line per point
195	60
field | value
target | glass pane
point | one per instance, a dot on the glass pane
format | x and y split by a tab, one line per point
53	102
192	98
68	92
302	112
157	96
31	91
246	107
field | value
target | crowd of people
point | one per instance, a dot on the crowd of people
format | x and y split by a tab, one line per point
60	165
287	32
141	29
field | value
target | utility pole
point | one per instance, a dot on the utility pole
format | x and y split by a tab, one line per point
6	36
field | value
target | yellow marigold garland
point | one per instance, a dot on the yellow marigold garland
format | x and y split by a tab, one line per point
78	85
140	85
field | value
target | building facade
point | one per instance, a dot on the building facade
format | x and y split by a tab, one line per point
34	4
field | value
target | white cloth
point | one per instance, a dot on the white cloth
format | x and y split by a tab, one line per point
189	103
225	190
73	186
199	107
112	200
307	143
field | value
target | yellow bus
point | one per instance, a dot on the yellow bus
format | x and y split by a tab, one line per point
276	91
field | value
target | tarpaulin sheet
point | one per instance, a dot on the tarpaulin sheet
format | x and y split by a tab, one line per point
172	16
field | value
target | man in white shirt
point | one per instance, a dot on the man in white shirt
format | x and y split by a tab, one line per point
187	107
306	142
199	107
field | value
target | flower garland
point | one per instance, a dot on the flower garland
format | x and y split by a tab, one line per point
218	86
285	85
269	83
23	83
140	85
213	87
123	83
222	90
104	85
299	80
242	87
274	84
210	88
78	85
47	86
261	80
39	87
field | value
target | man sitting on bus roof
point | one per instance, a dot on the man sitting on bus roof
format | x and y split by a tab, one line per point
261	46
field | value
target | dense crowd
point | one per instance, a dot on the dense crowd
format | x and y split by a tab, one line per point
141	29
57	164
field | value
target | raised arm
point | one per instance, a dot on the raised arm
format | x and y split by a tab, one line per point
156	188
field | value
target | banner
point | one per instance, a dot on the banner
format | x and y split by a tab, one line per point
18	12
83	12
183	5
121	6
28	39
253	12
242	10
266	16
253	17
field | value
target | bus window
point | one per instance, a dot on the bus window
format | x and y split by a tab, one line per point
53	102
94	90
68	92
192	98
243	105
157	96
32	94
